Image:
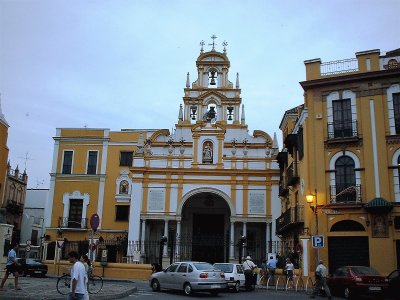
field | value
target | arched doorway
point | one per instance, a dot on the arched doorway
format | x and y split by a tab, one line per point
205	227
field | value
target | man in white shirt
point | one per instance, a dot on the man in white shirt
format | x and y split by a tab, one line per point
78	275
248	267
320	280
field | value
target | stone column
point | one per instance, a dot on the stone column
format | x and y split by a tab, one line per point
305	265
142	237
178	237
165	251
232	242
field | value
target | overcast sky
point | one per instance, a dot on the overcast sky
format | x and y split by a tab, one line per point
123	64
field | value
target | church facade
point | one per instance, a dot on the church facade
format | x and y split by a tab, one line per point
210	187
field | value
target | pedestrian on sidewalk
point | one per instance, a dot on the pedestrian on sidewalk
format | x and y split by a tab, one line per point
11	267
320	280
78	275
289	269
86	263
271	266
248	267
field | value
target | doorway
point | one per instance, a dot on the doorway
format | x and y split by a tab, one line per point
208	238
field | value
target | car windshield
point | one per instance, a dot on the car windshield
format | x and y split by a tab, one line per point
364	271
203	266
32	261
227	268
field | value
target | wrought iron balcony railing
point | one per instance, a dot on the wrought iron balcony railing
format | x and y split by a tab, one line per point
72	223
14	207
342	129
346	194
290	218
292	176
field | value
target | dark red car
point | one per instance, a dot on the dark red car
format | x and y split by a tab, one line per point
351	281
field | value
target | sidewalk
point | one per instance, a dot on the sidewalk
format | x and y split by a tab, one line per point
45	288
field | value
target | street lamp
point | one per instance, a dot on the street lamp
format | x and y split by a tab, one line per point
310	200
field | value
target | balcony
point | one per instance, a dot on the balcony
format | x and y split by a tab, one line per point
292	176
339	67
345	194
72	223
342	129
14	207
289	219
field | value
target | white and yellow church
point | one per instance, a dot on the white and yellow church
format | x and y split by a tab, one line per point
209	186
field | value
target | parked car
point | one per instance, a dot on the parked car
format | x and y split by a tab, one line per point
234	275
189	276
394	283
350	281
30	266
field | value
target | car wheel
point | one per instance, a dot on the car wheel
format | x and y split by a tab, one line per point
24	273
43	274
237	287
187	289
155	285
347	293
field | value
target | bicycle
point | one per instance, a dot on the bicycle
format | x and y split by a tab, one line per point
94	284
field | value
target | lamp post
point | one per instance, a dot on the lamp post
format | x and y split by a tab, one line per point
310	200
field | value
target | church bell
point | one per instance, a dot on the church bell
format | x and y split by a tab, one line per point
212	81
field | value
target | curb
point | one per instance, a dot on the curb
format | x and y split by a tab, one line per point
63	297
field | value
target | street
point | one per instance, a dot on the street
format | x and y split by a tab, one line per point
145	292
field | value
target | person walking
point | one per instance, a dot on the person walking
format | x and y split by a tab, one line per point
320	280
271	266
86	263
11	267
78	275
289	268
248	267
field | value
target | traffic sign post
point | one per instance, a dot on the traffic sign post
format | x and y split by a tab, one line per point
94	223
318	241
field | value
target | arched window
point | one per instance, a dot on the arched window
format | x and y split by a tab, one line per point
11	194
345	178
347	225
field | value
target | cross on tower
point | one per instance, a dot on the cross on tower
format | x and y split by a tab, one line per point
202	44
213	43
26	158
225	43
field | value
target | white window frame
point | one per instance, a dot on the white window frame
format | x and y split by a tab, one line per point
335	96
396	185
79	196
72	163
332	162
395	88
87	161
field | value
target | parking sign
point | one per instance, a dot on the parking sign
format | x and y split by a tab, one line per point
318	241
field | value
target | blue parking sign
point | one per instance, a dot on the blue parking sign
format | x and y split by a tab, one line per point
317	241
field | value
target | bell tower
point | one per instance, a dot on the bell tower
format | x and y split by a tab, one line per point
212	97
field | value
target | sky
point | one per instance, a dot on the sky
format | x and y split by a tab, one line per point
123	64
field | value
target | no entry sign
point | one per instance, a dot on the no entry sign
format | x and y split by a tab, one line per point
94	221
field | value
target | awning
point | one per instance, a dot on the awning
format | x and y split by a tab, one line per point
378	206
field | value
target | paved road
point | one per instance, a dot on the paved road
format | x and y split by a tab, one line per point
45	289
144	292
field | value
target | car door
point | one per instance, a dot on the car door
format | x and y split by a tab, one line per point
181	276
240	274
168	277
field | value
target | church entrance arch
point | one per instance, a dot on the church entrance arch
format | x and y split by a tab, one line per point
205	227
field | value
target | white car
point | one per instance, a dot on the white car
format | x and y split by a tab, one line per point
189	277
234	275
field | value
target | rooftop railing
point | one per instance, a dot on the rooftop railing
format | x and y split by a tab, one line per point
339	67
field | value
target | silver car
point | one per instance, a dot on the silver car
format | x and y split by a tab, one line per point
189	276
234	275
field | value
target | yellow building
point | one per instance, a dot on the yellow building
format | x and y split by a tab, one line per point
3	151
342	148
204	186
